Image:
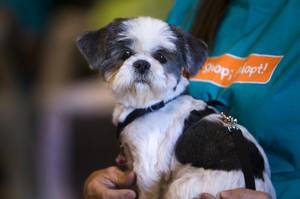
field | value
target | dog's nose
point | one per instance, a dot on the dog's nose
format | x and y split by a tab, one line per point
141	66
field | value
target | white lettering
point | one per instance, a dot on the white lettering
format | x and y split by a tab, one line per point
217	69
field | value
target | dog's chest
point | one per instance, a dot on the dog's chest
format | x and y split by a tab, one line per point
152	137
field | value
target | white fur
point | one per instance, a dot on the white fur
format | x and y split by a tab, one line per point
147	33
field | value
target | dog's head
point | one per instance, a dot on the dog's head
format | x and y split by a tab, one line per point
142	58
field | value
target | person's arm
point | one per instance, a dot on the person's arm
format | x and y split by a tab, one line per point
110	183
238	194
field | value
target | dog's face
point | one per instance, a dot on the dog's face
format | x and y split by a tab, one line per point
142	58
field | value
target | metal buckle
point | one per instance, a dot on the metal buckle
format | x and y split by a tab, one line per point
230	121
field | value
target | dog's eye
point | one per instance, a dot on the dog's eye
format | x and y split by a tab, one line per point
162	59
126	54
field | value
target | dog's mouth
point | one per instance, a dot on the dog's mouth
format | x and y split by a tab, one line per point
142	79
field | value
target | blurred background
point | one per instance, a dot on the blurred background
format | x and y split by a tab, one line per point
55	113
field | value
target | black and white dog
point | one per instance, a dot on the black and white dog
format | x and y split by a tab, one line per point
178	146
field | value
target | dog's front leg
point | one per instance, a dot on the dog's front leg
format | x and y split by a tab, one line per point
148	187
148	176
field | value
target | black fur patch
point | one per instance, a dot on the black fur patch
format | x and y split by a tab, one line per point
101	47
193	50
209	145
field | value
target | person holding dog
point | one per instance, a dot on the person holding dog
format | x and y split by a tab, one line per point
252	69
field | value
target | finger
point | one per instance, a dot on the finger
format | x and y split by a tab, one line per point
244	194
120	178
99	182
100	193
235	194
205	196
120	194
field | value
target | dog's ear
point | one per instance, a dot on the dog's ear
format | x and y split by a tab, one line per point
92	47
194	51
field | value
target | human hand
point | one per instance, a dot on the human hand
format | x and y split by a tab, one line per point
239	193
110	183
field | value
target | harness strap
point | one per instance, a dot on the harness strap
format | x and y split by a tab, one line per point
137	113
241	150
243	155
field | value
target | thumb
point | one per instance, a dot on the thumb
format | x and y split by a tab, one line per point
120	178
244	193
121	194
127	179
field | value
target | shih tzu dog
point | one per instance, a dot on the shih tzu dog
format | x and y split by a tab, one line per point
178	146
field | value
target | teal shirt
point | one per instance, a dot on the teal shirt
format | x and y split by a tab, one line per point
270	110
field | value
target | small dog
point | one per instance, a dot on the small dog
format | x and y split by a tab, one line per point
178	146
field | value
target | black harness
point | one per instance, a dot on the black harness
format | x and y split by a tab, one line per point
233	130
136	114
243	155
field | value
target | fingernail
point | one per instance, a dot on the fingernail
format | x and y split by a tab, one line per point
131	175
225	194
205	196
130	195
